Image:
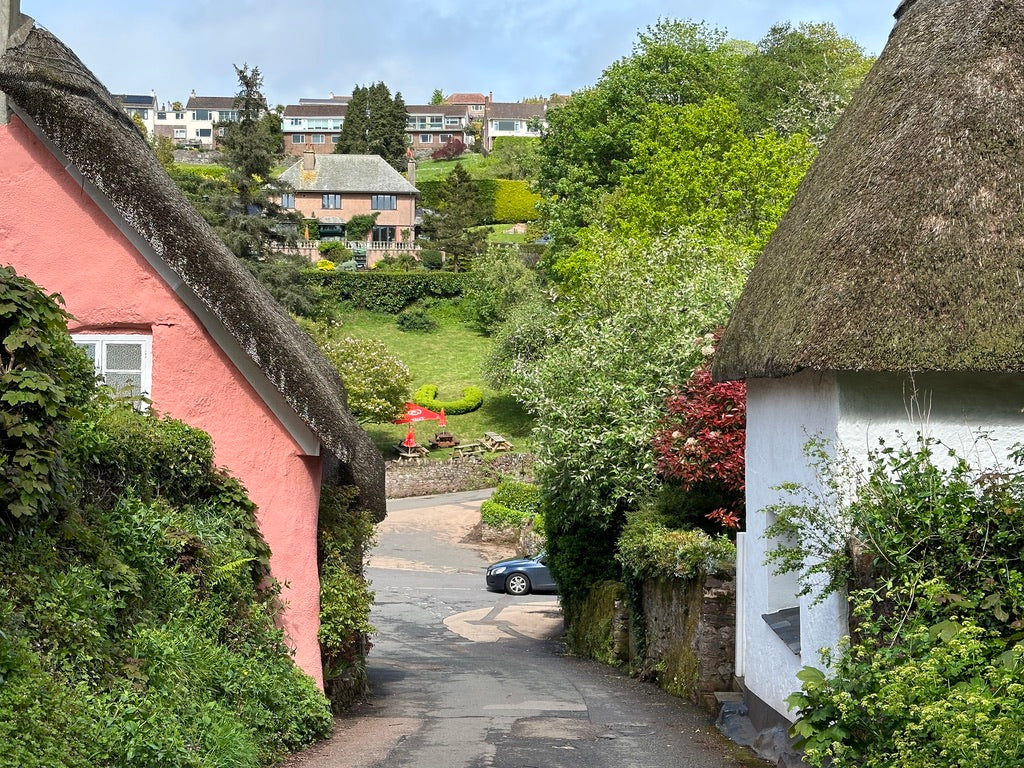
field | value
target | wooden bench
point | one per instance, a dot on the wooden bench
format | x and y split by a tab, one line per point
495	442
467	449
409	452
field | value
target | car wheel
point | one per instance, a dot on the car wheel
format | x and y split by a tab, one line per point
517	584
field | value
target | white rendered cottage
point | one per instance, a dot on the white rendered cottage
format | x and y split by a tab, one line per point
899	266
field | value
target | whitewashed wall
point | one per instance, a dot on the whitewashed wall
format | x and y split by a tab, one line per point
979	415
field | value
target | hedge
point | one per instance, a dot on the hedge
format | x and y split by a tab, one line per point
390	292
426	396
499	201
512	505
514	201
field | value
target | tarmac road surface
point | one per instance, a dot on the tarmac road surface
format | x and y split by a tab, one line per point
465	678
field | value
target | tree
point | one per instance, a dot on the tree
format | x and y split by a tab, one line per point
376	381
375	125
590	137
501	282
450	227
598	388
241	208
693	166
799	79
516	157
437	97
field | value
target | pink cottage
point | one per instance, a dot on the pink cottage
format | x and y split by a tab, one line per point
86	211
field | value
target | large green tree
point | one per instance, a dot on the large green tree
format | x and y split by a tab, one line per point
597	389
375	125
799	79
590	137
251	221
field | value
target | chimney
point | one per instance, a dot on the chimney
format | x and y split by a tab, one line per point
411	173
11	20
309	159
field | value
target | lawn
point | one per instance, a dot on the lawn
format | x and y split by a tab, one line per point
431	170
450	357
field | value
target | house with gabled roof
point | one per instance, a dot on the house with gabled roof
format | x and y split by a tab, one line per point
888	301
313	125
515	119
334	188
87	211
196	124
431	126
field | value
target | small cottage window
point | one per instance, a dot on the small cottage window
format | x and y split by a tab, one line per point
124	362
331	200
288	200
426	138
383	202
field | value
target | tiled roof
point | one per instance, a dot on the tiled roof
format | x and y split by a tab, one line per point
316	110
211	102
515	111
348	173
466	98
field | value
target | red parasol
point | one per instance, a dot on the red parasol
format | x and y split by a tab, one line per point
410	439
442	421
415	412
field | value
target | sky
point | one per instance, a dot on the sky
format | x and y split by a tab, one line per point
512	48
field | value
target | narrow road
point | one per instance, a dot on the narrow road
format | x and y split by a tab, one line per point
465	678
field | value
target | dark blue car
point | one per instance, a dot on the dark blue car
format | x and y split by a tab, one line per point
520	576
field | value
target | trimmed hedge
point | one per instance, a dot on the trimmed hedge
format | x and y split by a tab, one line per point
514	201
426	396
512	505
498	201
390	292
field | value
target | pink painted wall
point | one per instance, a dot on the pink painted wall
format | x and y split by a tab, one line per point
53	233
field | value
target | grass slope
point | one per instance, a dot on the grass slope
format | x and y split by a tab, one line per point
451	357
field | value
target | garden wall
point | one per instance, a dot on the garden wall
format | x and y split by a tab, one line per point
685	638
428	478
691	634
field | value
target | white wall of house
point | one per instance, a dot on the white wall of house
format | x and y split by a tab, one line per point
851	410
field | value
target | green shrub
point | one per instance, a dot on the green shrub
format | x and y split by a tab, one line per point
335	251
431	260
43	377
472	398
514	201
930	550
416	319
502	518
390	292
647	549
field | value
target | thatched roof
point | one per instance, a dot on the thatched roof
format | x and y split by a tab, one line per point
71	110
904	246
348	173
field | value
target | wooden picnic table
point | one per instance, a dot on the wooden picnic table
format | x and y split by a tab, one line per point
495	442
467	449
407	452
444	440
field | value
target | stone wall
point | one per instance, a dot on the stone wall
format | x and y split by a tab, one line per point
688	630
691	634
425	477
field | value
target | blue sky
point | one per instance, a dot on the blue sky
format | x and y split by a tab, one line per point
513	48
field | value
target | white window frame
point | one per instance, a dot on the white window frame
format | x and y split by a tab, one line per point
298	138
426	138
318	138
100	340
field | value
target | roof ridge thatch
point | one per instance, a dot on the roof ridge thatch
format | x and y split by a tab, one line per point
75	113
903	248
